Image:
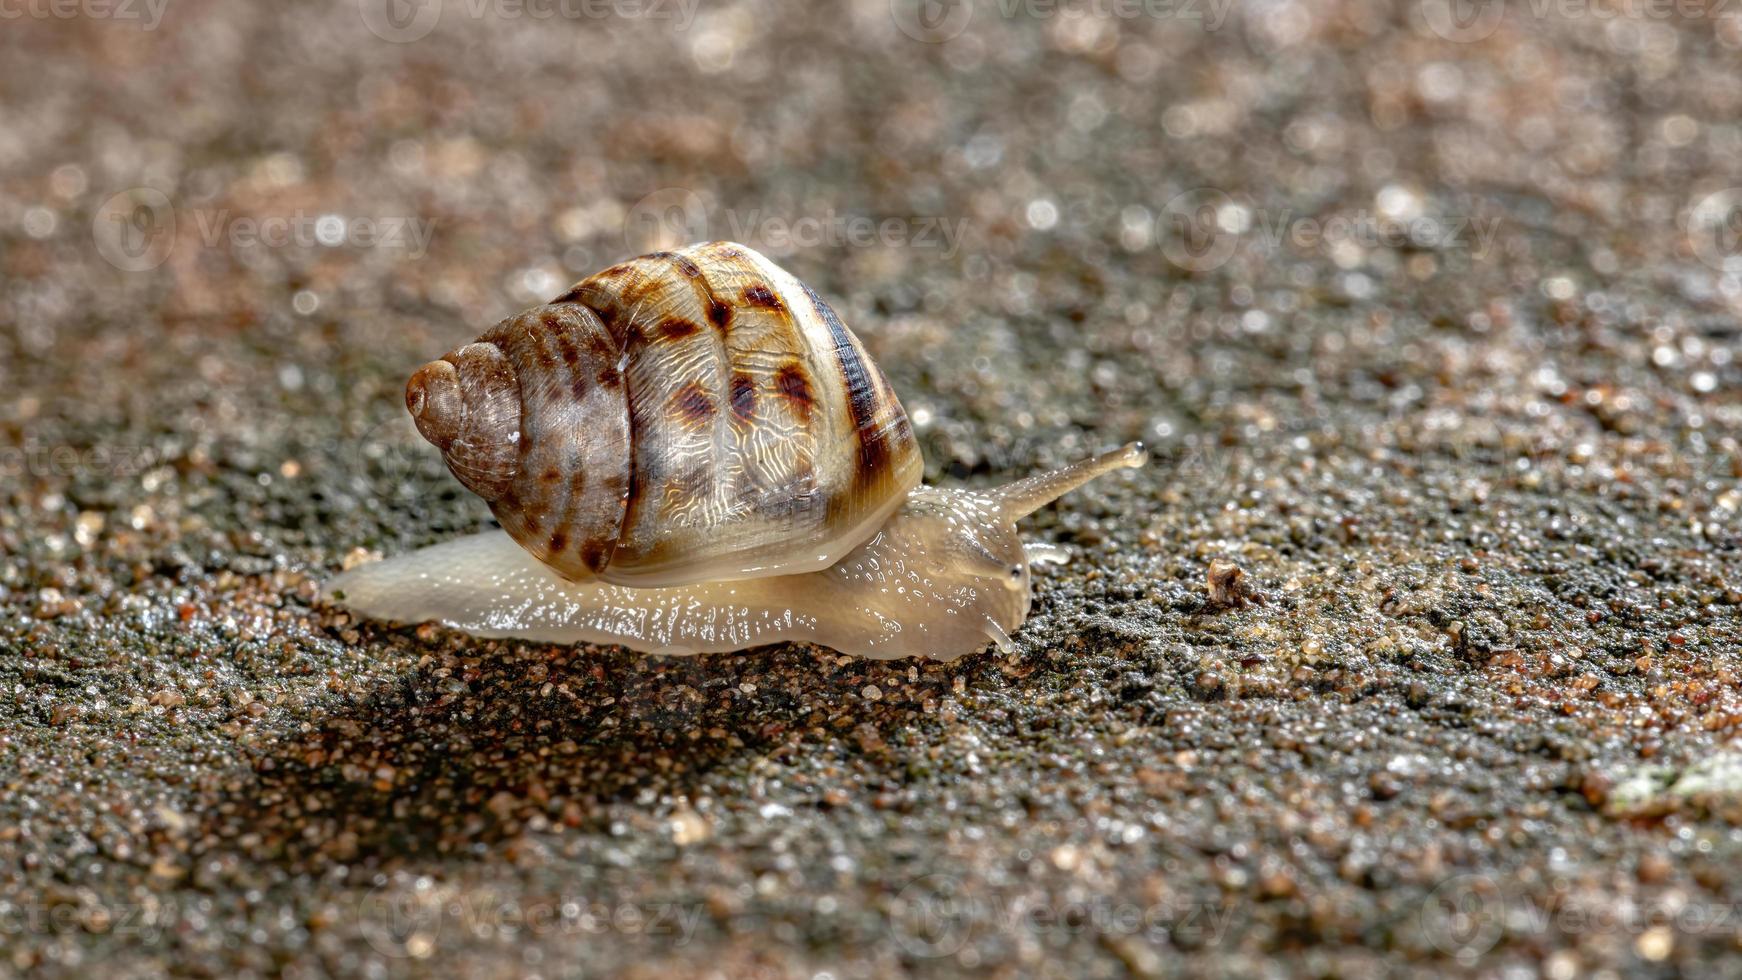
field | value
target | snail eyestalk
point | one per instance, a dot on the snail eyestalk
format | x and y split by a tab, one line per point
1027	495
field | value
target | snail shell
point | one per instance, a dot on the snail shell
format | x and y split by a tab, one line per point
689	452
683	417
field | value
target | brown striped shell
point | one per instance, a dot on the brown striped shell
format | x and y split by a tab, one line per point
688	416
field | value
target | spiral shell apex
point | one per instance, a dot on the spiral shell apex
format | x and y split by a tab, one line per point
688	416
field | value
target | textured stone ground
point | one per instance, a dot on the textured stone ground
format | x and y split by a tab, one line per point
1478	710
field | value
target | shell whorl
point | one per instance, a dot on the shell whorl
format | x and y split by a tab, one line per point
682	417
542	417
468	406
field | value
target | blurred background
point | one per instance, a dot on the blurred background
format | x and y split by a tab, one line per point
1427	310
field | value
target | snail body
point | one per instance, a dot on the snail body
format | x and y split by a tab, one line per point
690	453
944	576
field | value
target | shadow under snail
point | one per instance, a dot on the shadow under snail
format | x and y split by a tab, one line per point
689	452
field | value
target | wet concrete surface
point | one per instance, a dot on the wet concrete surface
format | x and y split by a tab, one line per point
1415	647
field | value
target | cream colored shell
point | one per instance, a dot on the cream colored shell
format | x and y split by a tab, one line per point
689	416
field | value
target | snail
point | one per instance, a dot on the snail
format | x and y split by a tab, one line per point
689	452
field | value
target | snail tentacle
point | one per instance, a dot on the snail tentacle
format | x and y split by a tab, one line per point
1029	494
1045	553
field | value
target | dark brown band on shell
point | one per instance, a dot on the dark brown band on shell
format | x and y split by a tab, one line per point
869	413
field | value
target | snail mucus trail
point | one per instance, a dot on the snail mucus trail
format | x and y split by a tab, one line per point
689	452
